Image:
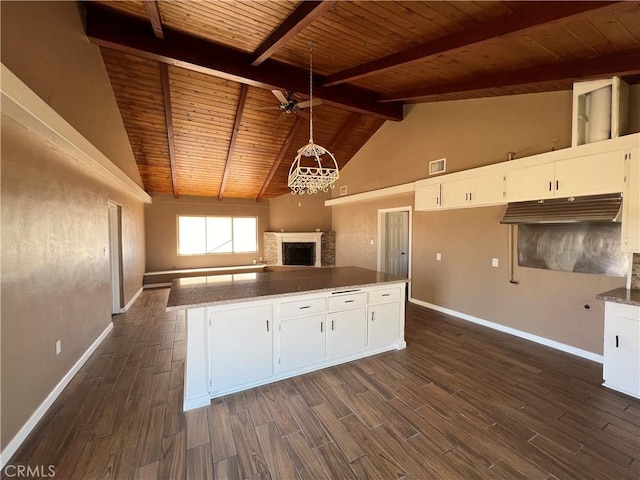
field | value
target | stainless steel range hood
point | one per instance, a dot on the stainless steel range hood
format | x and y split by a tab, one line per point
592	208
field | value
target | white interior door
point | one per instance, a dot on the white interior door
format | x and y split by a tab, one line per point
115	260
396	243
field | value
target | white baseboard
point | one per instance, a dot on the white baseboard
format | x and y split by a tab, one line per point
512	331
22	434
132	301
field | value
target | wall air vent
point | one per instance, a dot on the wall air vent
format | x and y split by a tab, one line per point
343	191
438	166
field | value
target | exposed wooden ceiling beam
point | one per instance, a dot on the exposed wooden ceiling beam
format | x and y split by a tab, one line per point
153	10
168	115
299	19
111	29
626	63
344	132
234	136
281	154
532	16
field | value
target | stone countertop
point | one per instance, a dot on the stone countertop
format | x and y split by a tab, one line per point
214	290
621	295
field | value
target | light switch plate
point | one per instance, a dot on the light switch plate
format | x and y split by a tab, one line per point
438	256
494	262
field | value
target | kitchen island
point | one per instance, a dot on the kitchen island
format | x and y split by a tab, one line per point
245	330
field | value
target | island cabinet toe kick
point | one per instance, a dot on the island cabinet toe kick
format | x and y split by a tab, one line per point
236	346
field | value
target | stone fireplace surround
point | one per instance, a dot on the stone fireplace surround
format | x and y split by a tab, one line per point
324	242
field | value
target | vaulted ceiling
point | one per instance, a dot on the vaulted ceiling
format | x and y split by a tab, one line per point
193	80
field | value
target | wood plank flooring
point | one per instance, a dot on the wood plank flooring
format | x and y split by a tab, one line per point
461	402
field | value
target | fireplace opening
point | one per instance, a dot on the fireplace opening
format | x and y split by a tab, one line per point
299	253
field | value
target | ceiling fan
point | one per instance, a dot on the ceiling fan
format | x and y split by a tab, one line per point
289	105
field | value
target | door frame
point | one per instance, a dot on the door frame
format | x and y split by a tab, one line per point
114	215
382	231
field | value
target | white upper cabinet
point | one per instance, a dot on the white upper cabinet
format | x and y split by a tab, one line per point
456	193
488	189
531	183
591	175
588	175
427	197
631	202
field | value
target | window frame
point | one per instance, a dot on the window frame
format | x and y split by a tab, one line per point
232	217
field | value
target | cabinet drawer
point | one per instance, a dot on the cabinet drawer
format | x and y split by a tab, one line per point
347	301
388	294
303	307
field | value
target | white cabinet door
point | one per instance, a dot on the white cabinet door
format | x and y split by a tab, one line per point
241	346
427	197
488	190
631	203
302	341
456	193
622	353
531	183
382	324
590	175
346	332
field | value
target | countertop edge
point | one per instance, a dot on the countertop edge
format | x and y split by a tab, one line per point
622	296
279	295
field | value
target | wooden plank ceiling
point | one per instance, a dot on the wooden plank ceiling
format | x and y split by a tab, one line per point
192	79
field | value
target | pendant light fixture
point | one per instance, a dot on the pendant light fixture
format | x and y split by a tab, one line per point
307	174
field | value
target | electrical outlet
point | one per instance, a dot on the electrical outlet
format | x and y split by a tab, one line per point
494	262
371	241
438	256
58	347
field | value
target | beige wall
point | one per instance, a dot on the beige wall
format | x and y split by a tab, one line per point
43	43
55	282
471	133
161	219
300	213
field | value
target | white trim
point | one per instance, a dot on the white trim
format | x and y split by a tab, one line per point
132	301
372	195
23	105
36	416
156	285
512	331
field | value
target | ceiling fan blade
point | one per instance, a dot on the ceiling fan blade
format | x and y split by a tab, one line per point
302	114
280	96
281	117
307	103
264	109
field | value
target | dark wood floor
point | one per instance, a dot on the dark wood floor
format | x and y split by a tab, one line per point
460	402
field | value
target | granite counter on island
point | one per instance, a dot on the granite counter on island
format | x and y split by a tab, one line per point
245	330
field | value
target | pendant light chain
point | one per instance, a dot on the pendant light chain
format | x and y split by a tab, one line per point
311	92
304	178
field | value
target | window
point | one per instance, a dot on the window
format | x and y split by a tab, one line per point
210	235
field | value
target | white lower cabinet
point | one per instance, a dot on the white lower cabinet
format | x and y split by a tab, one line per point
346	332
622	348
383	321
241	346
302	341
235	348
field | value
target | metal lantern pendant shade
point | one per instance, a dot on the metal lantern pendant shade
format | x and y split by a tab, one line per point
311	179
311	176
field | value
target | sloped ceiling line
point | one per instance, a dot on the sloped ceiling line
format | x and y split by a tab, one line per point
110	29
511	23
299	19
234	137
168	113
626	63
281	154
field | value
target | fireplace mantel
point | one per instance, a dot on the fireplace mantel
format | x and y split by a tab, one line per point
284	237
